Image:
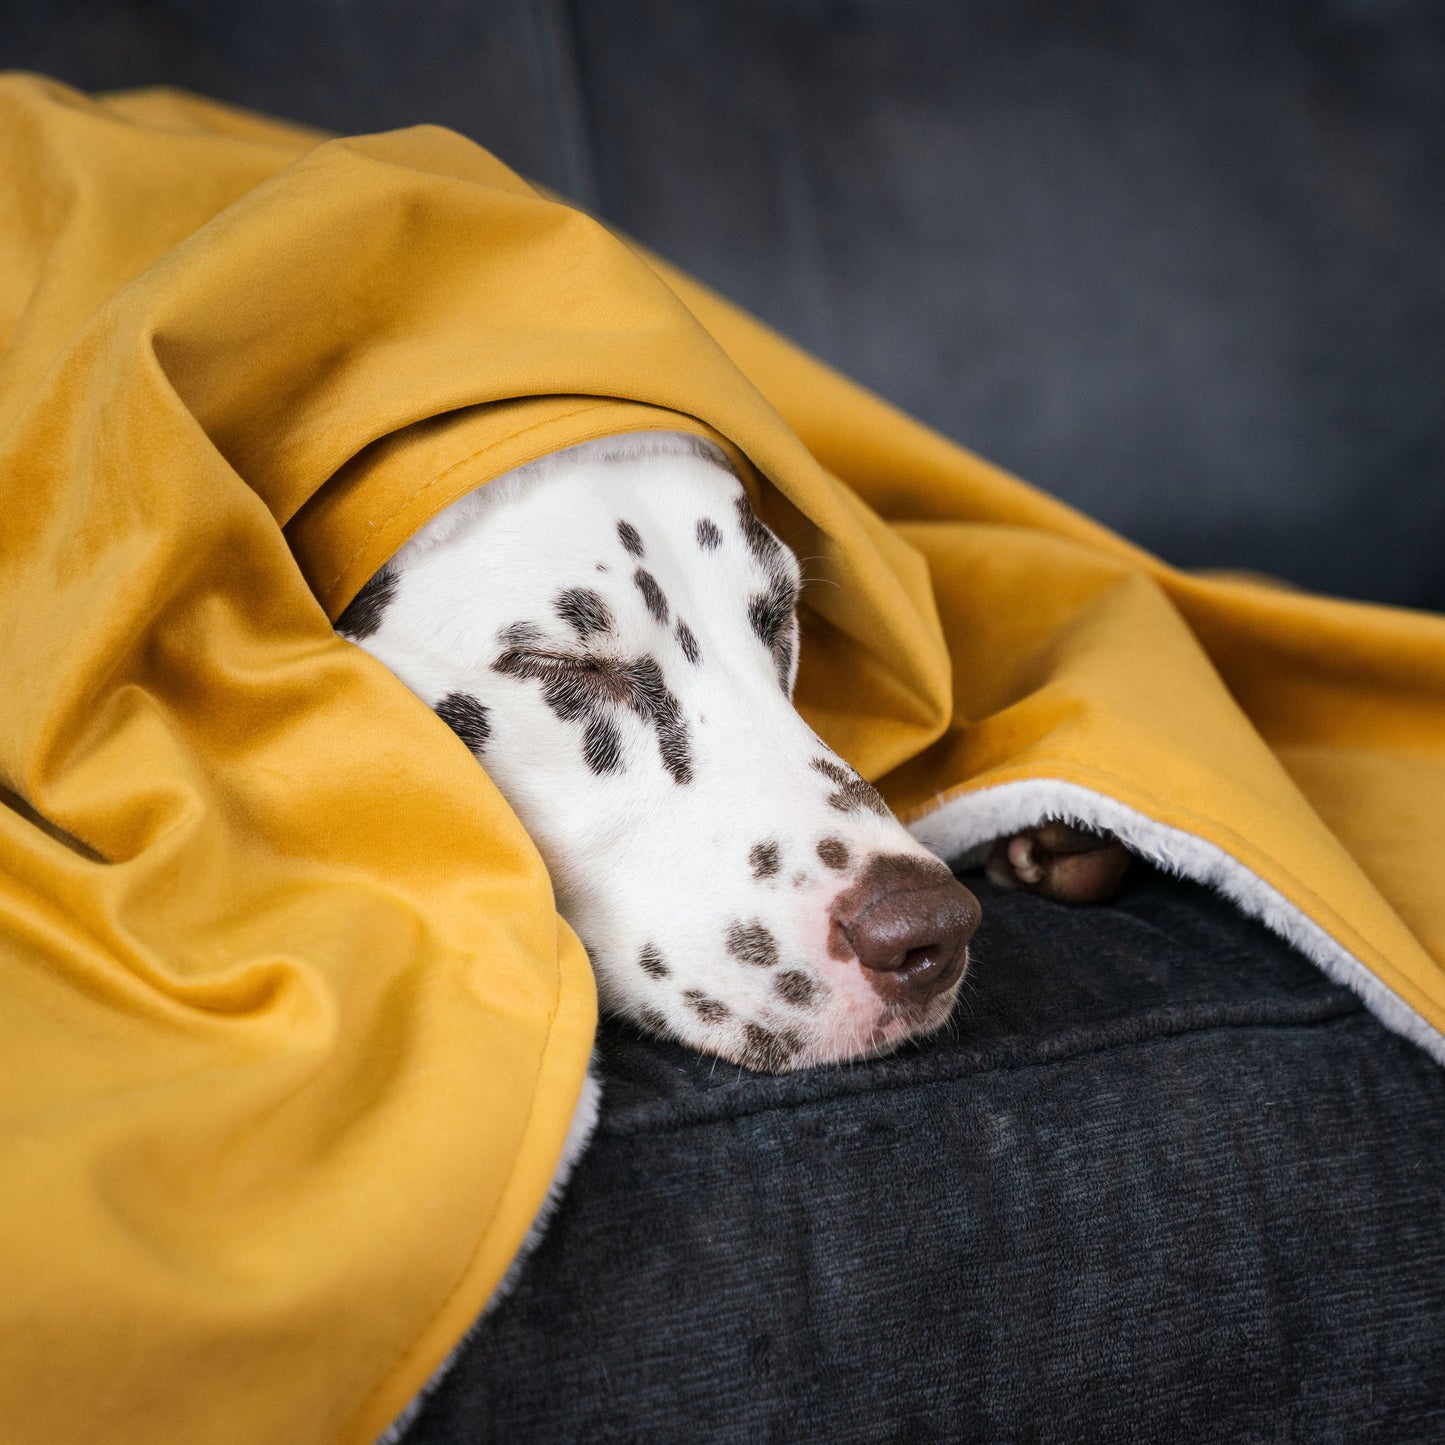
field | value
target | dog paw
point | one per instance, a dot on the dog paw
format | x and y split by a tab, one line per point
1058	861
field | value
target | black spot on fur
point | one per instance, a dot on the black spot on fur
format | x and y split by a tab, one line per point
853	794
795	987
584	611
653	701
709	1010
651	593
709	535
601	566
771	611
687	642
761	542
602	745
834	853
769	1051
653	1020
771	615
581	688
631	538
364	612
652	963
783	659
752	943
467	718
765	859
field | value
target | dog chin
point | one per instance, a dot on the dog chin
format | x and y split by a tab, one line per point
895	1026
777	1049
882	1030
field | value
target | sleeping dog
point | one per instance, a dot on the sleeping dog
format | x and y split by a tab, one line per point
613	633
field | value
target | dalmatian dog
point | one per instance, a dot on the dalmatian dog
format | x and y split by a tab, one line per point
612	632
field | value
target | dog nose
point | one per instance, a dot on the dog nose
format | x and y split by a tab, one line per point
908	921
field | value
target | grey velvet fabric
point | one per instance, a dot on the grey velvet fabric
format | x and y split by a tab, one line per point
1162	1182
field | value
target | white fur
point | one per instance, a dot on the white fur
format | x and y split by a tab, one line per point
637	860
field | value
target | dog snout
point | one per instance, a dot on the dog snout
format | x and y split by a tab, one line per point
907	921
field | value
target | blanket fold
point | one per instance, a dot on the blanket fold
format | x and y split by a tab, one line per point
292	1033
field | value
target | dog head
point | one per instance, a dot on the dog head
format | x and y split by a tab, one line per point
613	633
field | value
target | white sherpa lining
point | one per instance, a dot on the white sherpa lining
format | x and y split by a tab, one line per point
579	1135
963	825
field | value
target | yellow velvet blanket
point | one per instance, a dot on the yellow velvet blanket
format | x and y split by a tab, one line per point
290	1032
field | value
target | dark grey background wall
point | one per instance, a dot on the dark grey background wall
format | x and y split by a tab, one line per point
1181	263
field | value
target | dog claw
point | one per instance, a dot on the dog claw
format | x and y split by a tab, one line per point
1061	862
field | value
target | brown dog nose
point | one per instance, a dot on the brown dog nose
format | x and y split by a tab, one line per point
907	920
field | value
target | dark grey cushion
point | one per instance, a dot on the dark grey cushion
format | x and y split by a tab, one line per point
1162	1181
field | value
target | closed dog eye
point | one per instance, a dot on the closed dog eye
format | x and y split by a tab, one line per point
580	687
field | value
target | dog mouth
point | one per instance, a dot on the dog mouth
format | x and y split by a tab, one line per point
910	1019
858	1037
